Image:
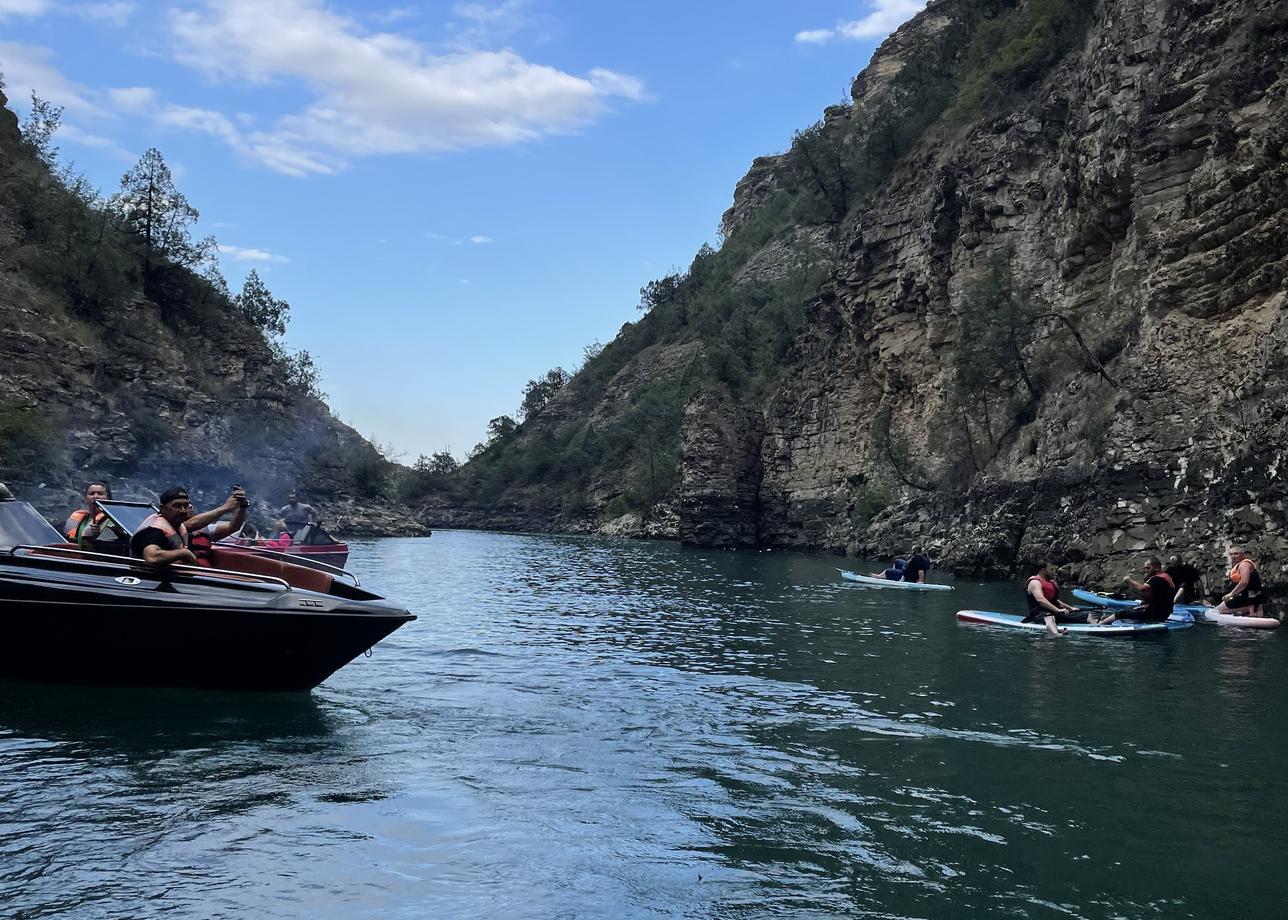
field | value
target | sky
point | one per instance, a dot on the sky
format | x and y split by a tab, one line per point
454	196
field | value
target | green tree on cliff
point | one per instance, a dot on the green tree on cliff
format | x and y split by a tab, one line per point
538	393
152	206
257	303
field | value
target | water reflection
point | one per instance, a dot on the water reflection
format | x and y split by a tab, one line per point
593	728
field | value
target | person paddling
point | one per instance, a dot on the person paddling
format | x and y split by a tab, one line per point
1158	591
1043	595
1244	596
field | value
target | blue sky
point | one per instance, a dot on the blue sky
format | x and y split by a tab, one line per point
453	196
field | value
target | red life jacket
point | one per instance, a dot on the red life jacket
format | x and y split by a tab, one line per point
1050	589
199	543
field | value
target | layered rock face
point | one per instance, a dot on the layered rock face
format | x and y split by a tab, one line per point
1142	194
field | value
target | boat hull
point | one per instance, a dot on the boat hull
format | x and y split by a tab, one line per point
201	648
335	555
88	621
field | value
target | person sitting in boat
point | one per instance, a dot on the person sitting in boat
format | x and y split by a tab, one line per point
176	534
895	572
1244	595
1042	592
283	538
917	567
296	514
1158	591
1188	579
86	526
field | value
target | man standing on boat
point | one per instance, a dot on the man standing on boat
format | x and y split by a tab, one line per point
176	535
296	514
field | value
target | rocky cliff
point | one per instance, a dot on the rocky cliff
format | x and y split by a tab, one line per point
144	396
1048	316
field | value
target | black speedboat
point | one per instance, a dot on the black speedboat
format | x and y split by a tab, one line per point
250	623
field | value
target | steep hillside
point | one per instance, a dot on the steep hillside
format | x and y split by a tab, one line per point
1024	297
144	382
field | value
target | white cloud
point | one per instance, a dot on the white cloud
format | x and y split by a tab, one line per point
379	93
249	254
395	14
814	36
488	24
886	16
27	69
114	14
74	134
133	99
23	7
480	240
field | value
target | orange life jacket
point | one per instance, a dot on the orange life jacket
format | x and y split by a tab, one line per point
178	538
72	529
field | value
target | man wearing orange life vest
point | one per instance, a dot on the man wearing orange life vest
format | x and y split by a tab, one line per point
86	525
1158	591
1245	596
175	534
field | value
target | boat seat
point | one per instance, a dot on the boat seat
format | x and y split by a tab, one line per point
297	576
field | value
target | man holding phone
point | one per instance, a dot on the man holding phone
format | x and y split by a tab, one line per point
176	535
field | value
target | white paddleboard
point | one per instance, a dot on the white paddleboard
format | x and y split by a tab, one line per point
887	583
1231	619
1116	630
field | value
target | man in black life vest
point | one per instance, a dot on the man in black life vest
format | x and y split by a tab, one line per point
176	535
1158	591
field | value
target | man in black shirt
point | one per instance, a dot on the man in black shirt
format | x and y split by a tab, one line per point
917	567
1189	580
1157	591
166	537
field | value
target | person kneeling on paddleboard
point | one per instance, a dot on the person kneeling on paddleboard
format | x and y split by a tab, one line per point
1043	594
1244	596
1158	591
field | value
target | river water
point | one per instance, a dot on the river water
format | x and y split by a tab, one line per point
586	728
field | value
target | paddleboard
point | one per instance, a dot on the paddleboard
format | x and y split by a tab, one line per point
1104	600
887	583
1230	619
1125	629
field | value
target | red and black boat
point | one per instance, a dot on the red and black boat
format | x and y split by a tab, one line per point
250	622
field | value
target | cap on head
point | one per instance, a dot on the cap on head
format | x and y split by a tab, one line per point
171	494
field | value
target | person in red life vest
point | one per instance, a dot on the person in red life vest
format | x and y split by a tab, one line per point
1043	595
176	534
87	525
283	538
1244	594
1158	591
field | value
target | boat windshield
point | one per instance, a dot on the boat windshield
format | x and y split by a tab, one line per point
128	516
315	535
22	524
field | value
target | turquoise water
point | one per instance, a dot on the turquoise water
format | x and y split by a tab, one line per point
581	728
